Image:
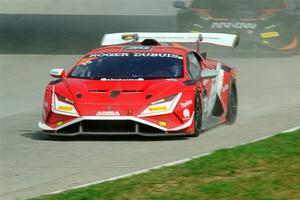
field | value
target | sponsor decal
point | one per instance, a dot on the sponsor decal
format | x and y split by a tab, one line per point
121	79
237	25
137	48
161	55
162	123
186	113
269	35
186	104
108	113
100	55
158	108
167	55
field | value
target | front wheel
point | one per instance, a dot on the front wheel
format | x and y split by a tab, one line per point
232	104
197	116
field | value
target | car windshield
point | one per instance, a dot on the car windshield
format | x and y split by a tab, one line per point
129	66
237	4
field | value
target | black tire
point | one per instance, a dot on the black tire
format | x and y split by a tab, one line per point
197	117
232	104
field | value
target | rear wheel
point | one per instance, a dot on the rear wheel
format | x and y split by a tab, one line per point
232	105
197	116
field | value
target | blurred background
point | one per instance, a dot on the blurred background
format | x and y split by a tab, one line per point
75	27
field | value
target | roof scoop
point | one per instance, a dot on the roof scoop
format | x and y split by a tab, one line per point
150	42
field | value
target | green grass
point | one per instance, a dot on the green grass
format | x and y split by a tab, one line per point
268	169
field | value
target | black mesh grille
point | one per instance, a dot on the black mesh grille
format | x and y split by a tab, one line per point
107	126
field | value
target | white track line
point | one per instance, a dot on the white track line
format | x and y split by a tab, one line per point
167	164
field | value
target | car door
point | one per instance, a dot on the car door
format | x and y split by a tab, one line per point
211	89
194	69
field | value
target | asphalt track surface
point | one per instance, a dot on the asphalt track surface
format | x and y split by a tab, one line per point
32	164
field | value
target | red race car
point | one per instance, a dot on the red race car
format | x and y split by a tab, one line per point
143	83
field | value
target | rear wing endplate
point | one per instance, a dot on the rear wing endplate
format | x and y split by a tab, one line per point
222	39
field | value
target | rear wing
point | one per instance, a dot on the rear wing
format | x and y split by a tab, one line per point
223	39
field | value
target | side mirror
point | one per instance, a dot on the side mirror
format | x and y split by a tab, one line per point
179	4
204	55
207	74
57	73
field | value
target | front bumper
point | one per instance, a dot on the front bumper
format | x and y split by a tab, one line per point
118	134
119	125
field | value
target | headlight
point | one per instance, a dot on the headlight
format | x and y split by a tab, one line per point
170	98
64	106
162	106
64	99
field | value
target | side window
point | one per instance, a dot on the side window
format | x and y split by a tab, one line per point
194	67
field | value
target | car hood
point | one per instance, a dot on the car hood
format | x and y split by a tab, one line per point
93	96
97	91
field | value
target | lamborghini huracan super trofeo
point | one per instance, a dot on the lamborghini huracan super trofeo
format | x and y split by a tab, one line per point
143	83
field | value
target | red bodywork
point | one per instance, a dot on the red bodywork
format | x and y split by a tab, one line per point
96	106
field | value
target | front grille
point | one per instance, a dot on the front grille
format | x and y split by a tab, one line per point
107	126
